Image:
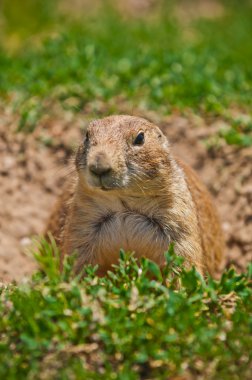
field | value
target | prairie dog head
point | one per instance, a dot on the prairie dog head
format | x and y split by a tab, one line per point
122	153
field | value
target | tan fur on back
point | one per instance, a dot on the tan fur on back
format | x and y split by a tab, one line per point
209	225
143	200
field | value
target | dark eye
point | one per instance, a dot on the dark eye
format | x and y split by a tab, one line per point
139	140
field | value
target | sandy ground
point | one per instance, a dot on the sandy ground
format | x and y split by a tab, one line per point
34	167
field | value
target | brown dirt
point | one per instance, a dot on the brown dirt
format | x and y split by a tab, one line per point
32	174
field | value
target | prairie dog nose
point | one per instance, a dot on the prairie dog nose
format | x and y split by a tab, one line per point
100	164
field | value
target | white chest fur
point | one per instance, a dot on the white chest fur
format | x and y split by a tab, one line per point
109	224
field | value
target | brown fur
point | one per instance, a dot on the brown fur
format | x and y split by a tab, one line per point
144	200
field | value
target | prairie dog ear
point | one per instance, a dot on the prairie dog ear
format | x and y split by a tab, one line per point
162	138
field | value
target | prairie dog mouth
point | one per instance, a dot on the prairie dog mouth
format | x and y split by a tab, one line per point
103	182
104	188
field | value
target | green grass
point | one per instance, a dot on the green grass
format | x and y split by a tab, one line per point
135	323
148	63
239	133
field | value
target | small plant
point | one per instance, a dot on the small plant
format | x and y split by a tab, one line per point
239	133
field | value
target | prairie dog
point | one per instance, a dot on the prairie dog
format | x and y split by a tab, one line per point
130	192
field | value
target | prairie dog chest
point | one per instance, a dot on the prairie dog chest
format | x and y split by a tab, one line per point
116	224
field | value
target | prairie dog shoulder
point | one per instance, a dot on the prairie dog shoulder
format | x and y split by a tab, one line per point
130	192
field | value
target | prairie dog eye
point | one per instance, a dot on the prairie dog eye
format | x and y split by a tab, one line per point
139	140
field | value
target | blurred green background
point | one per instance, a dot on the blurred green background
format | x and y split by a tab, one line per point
97	55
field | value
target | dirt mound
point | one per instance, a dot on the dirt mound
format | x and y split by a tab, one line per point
34	167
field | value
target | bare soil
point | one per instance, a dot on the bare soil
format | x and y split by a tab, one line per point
34	167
